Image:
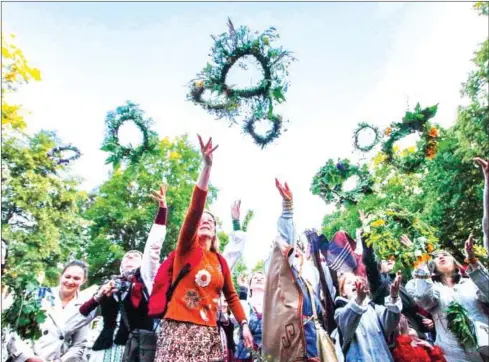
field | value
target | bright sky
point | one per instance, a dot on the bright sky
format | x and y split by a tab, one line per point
357	62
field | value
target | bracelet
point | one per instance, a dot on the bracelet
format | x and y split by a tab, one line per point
471	260
243	323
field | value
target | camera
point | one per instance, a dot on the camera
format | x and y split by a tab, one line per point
121	283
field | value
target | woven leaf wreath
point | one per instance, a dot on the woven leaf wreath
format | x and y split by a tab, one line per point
250	104
361	128
417	121
328	182
130	112
56	154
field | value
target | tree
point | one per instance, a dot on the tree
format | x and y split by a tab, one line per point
121	212
446	193
259	267
15	71
40	220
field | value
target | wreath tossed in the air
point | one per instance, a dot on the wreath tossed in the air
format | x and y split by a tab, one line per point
383	230
328	182
362	127
130	112
251	104
417	121
56	154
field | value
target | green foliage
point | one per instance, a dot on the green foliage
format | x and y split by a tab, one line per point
114	120
16	71
461	326
248	217
328	182
412	122
121	211
41	220
255	103
446	192
259	267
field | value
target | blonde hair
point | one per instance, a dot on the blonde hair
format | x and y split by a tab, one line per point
215	242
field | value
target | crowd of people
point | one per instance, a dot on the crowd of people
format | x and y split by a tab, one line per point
306	305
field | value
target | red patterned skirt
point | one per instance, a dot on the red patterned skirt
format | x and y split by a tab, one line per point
188	342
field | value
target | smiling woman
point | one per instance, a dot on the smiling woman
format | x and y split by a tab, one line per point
60	305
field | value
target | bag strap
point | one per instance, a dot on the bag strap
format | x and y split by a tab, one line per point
124	314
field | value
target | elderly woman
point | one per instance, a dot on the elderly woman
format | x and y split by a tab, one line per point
58	342
139	271
189	330
436	291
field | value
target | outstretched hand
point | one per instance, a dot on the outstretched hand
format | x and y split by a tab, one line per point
236	210
207	150
484	164
406	241
361	289
284	190
160	196
396	285
469	247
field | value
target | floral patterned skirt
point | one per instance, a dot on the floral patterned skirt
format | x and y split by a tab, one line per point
188	342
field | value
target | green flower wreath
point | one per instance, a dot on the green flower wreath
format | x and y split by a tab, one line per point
356	133
328	182
55	154
383	230
114	120
412	122
253	103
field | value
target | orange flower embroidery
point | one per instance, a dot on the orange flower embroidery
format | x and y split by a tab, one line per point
192	298
429	248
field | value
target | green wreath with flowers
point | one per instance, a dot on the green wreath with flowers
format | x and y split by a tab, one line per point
253	103
417	121
130	112
383	230
365	126
328	182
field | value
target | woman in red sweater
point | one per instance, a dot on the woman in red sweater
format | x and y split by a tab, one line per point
189	330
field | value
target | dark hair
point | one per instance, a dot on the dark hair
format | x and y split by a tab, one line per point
78	263
436	276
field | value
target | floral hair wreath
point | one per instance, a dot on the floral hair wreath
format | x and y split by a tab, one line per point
55	154
328	182
254	103
412	122
114	120
361	127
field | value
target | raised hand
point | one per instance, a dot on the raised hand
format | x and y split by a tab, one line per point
284	190
207	150
363	217
484	165
235	210
362	290
242	280
406	241
396	285
160	196
469	247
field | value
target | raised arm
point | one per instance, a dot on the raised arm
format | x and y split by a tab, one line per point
285	224
237	239
485	218
390	314
187	239
477	273
156	237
